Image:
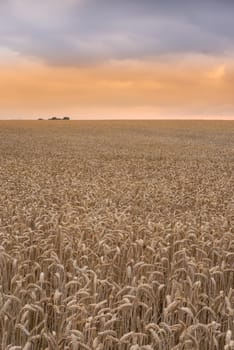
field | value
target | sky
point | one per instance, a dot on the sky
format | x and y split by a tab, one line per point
92	59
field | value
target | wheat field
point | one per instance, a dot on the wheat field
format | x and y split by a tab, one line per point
116	235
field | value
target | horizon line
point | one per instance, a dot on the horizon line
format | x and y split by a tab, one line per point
119	119
231	118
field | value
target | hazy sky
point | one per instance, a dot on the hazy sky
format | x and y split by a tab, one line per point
116	58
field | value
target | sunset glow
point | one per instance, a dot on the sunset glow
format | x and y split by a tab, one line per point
111	69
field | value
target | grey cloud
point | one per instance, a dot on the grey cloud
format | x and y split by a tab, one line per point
89	31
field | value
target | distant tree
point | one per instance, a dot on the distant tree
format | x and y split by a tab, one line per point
40	119
57	118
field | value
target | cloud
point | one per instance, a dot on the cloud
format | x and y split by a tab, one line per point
79	32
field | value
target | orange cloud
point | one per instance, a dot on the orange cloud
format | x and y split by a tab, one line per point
118	89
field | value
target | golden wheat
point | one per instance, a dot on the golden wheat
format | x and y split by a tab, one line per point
116	235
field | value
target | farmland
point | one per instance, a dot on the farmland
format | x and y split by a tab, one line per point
116	235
